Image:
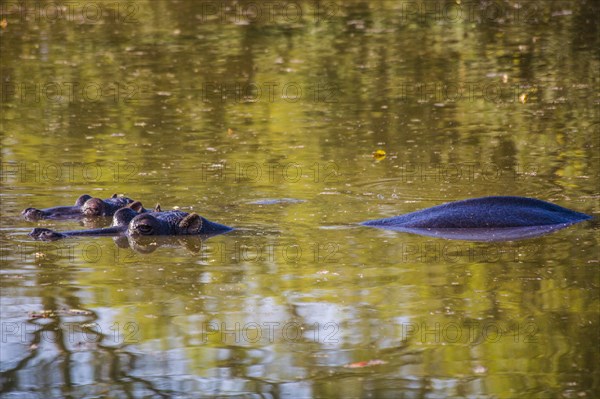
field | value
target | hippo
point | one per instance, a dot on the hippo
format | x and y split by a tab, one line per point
120	221
130	221
497	218
85	205
173	223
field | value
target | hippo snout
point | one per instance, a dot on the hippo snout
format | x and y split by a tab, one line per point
93	207
45	234
33	214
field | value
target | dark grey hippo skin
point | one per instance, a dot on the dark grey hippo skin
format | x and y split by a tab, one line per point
499	218
85	205
120	221
133	223
173	223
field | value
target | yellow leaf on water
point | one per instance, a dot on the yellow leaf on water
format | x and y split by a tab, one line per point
3	23
523	98
379	155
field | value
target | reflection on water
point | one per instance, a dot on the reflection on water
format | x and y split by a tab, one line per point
498	234
148	245
267	122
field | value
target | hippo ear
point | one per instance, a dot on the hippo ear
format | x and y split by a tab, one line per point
157	208
192	223
136	206
114	195
81	200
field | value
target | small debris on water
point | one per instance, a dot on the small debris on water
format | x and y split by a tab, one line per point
370	363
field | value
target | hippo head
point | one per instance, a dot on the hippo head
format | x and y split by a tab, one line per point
100	207
81	200
123	216
56	212
45	234
94	207
148	225
33	214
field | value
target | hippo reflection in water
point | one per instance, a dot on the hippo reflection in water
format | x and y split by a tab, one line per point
149	244
484	219
129	221
85	205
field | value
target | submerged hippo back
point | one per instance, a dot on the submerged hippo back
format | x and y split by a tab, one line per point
486	212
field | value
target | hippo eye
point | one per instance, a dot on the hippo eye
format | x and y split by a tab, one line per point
144	229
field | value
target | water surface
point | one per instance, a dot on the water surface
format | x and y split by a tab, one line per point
267	122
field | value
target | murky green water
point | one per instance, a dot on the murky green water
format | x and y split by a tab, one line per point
222	107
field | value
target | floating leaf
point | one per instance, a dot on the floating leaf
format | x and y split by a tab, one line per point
379	155
523	98
3	23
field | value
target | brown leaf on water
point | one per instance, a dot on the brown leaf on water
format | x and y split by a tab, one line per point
3	23
357	365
